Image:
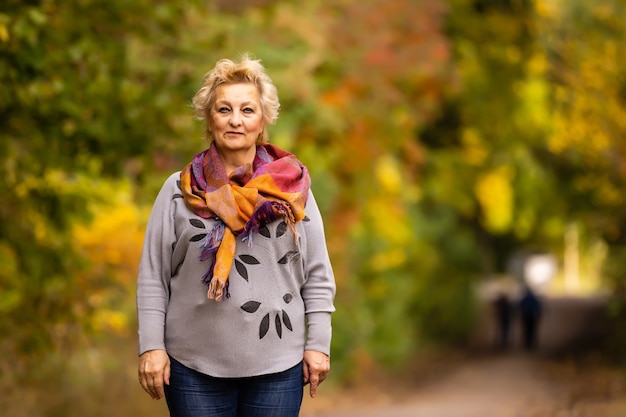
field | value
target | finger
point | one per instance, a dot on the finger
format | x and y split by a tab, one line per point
313	389
305	371
155	386
166	374
158	389
143	383
143	380
321	378
314	383
151	386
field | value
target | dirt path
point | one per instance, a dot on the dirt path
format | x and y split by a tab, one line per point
514	385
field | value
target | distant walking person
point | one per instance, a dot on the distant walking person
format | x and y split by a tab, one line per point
530	309
504	313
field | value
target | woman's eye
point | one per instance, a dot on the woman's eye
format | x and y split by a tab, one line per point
248	110
223	110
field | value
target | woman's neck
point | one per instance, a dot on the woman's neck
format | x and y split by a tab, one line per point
233	160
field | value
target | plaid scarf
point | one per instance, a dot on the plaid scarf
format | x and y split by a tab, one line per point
275	185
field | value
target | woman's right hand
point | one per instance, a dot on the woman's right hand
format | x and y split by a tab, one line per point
154	371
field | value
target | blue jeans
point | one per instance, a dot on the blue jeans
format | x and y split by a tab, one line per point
193	394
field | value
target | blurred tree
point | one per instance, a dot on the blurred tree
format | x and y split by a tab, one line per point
481	162
385	71
73	112
586	48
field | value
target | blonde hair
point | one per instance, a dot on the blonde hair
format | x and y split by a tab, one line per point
228	72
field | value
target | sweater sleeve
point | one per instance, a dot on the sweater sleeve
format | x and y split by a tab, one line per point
319	289
155	270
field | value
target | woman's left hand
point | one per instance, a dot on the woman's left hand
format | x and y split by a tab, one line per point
316	367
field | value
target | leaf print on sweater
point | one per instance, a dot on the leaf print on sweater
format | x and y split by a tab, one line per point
288	256
177	195
241	268
199	224
251	306
280	318
265	326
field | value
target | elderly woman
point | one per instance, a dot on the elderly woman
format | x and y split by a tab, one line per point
235	288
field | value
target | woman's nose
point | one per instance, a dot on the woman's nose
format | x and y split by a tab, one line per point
235	119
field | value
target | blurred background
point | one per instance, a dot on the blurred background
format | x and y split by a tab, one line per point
460	151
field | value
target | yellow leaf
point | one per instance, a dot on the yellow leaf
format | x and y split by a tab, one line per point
495	195
388	174
4	33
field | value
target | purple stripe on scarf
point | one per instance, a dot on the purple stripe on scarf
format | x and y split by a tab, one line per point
197	171
263	214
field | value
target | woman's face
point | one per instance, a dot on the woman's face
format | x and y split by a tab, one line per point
236	117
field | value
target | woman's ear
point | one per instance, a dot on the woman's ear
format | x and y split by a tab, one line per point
262	135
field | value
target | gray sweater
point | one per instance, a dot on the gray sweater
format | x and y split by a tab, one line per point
281	293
